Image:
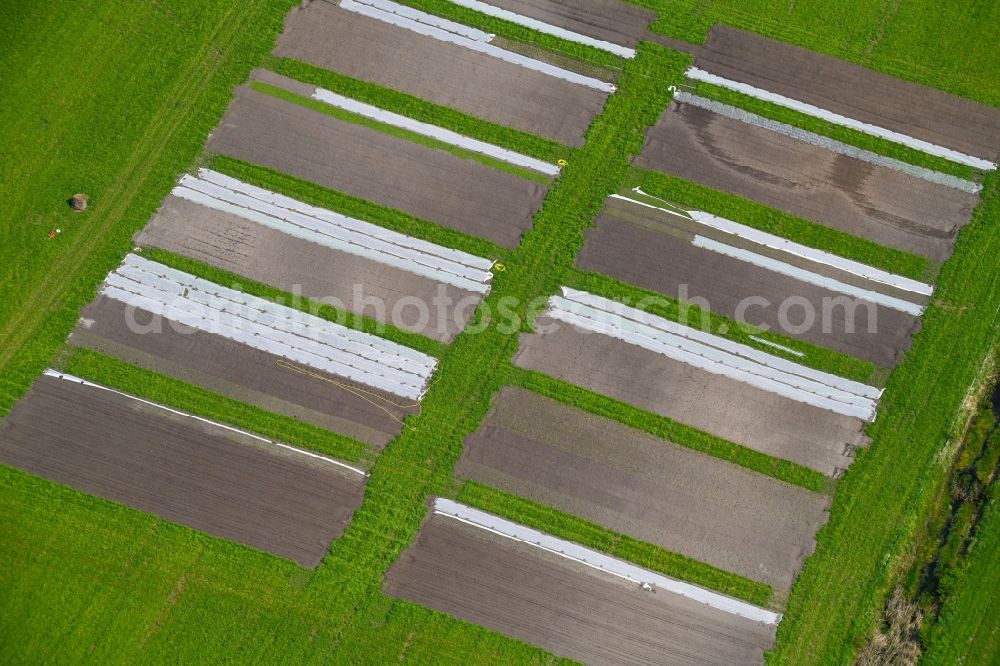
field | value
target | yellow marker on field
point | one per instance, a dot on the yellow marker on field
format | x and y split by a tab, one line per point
562	163
499	268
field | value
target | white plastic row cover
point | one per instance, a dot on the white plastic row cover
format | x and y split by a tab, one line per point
433	131
196	289
546	28
817	112
715	354
277	329
807	276
338	232
791	247
600	561
431	26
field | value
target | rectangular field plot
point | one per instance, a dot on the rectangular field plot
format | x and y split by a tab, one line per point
212	478
568	607
853	91
459	193
648	488
883	204
289	245
856	310
445	72
249	349
724	388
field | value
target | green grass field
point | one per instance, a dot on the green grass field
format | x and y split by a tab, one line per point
115	99
968	631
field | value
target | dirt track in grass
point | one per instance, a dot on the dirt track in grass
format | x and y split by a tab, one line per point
648	488
853	91
459	193
187	471
563	606
845	193
327	36
348	281
243	373
724	407
633	245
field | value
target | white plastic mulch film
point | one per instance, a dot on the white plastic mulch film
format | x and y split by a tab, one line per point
715	354
336	231
276	329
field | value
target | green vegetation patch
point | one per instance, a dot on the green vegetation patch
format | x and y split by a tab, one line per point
591	535
968	630
107	371
423	110
113	101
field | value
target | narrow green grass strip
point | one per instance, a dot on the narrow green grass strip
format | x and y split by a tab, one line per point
420	462
519	33
301	303
591	535
782	224
113	373
361	209
398	132
832	130
817	357
665	428
423	110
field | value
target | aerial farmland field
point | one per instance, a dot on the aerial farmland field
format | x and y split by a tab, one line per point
499	331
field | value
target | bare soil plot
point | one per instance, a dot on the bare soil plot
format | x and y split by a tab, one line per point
327	36
269	256
636	245
610	20
187	471
241	372
842	192
853	91
565	607
727	408
646	487
459	193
